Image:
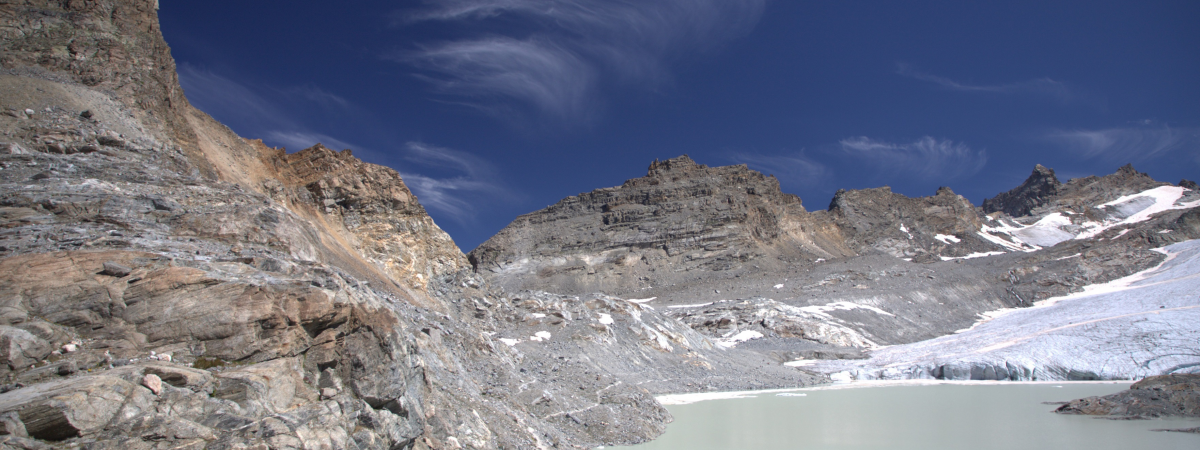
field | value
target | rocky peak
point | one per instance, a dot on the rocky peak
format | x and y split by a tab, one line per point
1039	188
901	226
681	214
677	166
371	206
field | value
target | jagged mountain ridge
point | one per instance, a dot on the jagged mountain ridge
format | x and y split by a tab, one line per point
887	269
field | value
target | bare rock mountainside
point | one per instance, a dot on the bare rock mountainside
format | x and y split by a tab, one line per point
724	251
165	283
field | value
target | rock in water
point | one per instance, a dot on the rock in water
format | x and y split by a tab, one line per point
1156	396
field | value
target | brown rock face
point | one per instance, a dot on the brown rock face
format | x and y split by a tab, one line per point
380	215
879	219
681	216
684	221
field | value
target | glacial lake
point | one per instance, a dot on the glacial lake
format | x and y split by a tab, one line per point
913	416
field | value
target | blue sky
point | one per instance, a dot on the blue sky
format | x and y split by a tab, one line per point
494	108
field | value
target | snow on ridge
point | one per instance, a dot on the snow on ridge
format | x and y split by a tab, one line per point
1057	227
947	238
745	335
972	256
844	306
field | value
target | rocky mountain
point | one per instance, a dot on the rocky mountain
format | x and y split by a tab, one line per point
875	269
165	283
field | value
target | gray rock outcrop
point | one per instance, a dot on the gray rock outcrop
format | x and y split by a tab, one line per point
1040	187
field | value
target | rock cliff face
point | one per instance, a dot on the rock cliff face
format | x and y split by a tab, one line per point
681	219
165	283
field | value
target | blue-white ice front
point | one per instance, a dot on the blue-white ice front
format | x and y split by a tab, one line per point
1141	325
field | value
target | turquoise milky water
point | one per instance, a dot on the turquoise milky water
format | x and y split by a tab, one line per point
932	416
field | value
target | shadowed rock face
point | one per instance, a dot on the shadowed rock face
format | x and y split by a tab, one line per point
1040	187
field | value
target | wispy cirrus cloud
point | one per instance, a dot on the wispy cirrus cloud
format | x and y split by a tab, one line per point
1039	86
536	71
259	112
793	168
467	180
1127	144
926	158
553	55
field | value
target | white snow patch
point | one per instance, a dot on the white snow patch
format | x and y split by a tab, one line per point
820	260
905	230
800	363
739	338
1164	231
1117	285
540	336
606	319
1069	257
1140	207
844	306
642	300
947	238
779	286
972	256
509	342
697	305
538	315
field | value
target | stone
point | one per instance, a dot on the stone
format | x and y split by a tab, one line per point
153	383
1170	395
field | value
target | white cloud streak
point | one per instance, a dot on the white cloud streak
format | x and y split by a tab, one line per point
1043	86
566	49
795	168
1129	144
926	158
454	196
536	71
